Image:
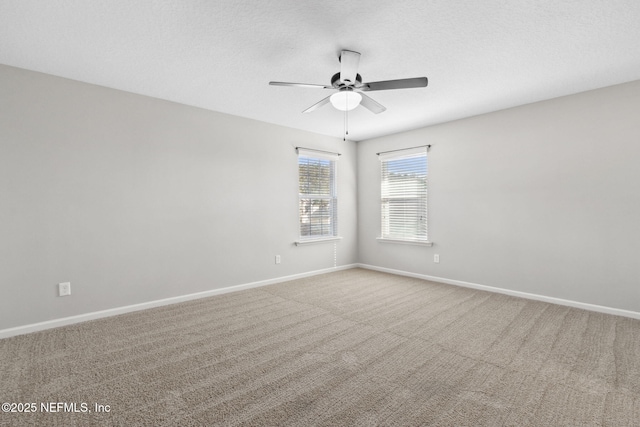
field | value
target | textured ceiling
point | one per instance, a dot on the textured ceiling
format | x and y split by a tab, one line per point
479	56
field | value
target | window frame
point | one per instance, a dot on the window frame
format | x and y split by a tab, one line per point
402	188
320	158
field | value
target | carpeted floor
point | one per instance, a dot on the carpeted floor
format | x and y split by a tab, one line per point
350	348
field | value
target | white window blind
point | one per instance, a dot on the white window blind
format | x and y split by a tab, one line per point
317	194
404	195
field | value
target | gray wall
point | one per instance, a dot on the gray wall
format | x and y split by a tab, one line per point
134	199
543	198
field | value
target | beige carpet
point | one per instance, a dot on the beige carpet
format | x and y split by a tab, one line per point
350	348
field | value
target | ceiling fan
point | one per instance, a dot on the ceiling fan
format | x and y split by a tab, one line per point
350	87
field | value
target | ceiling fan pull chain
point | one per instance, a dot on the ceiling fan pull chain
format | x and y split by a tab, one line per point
345	129
344	126
346	119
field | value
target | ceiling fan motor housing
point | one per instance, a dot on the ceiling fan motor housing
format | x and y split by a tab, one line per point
335	81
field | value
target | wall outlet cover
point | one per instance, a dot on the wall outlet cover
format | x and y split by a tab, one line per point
64	289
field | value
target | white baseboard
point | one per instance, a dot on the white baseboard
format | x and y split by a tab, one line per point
559	301
55	323
19	330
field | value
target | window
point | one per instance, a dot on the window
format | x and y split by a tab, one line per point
404	195
317	193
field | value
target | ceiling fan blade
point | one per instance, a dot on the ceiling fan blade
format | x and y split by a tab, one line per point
317	105
395	84
371	105
349	61
312	86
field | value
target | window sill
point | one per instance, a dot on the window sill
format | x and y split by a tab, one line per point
319	240
405	242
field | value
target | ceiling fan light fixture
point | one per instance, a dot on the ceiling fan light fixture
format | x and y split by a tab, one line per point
345	100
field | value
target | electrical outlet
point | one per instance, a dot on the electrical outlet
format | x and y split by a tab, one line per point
436	258
64	289
278	259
